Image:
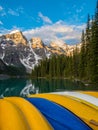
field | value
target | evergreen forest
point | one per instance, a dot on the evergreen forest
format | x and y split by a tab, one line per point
83	64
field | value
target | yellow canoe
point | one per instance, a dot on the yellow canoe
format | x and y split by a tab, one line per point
88	114
18	114
84	102
92	93
81	97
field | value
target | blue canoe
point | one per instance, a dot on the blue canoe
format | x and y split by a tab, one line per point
59	117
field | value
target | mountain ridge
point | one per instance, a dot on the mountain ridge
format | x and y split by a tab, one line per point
17	51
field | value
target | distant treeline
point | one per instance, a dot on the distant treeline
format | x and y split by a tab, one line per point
82	64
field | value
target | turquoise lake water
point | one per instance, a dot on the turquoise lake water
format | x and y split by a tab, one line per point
23	86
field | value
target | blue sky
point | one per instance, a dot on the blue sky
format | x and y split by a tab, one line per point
51	20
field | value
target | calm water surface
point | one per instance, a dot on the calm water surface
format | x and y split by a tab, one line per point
23	86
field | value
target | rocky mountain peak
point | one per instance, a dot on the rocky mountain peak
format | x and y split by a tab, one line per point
16	51
58	47
57	43
36	42
17	37
14	31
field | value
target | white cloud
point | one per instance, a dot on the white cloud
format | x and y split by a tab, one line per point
1	8
3	30
44	18
1	23
12	12
6	31
2	11
16	12
59	30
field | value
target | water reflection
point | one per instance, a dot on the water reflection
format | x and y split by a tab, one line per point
23	87
28	89
11	87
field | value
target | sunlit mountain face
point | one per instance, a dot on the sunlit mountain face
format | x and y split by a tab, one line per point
17	52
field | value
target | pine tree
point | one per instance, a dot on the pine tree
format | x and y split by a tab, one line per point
88	48
94	47
50	68
75	63
58	67
82	57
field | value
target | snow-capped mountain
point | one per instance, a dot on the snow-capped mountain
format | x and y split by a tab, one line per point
58	47
17	52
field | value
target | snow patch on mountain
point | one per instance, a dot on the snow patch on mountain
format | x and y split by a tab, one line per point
27	65
35	55
48	54
16	50
31	60
59	43
2	56
14	31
